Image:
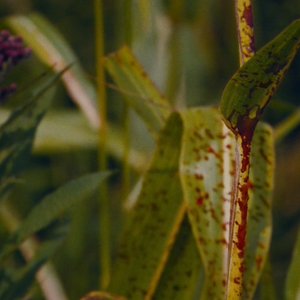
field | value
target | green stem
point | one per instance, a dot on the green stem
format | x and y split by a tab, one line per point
104	207
285	127
126	111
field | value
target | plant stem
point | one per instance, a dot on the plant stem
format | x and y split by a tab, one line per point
126	111
240	198
104	205
286	126
245	29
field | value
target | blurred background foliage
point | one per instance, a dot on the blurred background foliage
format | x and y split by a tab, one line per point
190	50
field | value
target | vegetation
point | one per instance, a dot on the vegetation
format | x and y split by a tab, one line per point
142	185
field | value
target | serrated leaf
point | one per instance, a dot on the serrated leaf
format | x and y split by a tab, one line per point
153	223
292	288
138	89
252	86
52	49
53	205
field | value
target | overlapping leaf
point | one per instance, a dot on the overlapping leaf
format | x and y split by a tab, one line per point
206	170
250	89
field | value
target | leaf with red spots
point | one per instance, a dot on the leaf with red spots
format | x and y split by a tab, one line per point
207	168
153	223
252	86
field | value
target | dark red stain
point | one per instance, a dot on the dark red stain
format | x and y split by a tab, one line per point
237	280
248	15
200	201
199	176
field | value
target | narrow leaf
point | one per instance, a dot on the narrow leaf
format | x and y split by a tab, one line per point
17	133
49	45
207	167
153	223
252	86
53	205
138	89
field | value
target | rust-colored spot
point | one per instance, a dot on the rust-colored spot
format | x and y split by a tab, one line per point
237	280
259	261
200	201
199	176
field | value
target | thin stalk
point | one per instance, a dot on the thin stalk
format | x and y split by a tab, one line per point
104	205
245	29
239	210
126	110
286	126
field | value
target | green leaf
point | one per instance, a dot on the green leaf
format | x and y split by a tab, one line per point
260	207
138	89
17	133
49	45
181	277
207	167
53	205
22	279
153	223
292	289
252	86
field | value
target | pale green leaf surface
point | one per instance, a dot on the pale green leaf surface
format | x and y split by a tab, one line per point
182	274
251	87
153	223
49	45
53	205
205	166
292	291
206	170
138	89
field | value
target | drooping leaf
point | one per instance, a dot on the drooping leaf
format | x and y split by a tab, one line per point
52	49
138	89
252	86
17	133
153	223
292	289
181	278
53	205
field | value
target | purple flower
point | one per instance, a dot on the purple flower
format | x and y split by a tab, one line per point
12	51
